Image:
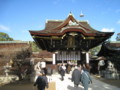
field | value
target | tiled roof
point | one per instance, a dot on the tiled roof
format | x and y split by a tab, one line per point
110	49
61	35
55	26
115	44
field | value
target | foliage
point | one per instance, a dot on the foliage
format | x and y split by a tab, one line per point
5	37
23	54
35	48
21	63
16	53
118	37
95	50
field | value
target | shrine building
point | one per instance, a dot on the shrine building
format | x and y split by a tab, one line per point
69	39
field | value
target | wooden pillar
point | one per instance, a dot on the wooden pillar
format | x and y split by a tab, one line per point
54	60
87	58
87	61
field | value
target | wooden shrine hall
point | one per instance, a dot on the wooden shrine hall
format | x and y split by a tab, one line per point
69	39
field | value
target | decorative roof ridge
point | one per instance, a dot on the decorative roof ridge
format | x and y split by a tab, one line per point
70	14
64	20
69	18
73	27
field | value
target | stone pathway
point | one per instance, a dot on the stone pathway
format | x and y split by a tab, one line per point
61	85
68	85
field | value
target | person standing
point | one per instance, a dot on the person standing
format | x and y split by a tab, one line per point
37	70
85	79
62	71
41	81
76	76
49	73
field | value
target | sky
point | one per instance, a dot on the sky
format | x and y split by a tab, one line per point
17	17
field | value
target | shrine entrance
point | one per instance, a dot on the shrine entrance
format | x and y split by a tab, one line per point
68	57
69	39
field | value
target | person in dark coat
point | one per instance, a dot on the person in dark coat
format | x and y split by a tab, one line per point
76	76
68	68
62	71
49	73
85	79
41	82
59	68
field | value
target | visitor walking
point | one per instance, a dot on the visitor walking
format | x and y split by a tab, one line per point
41	81
85	79
76	76
37	70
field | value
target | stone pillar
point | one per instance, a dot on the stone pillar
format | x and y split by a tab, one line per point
54	61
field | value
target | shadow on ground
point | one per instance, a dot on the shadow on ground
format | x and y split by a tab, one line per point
74	88
112	82
24	85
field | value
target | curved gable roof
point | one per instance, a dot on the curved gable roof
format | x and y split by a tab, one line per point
59	27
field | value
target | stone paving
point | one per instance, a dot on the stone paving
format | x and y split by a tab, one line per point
62	85
68	85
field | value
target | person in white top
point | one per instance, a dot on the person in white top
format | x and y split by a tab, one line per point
37	70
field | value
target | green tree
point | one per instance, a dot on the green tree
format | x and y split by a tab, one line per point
35	48
5	37
118	37
95	50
